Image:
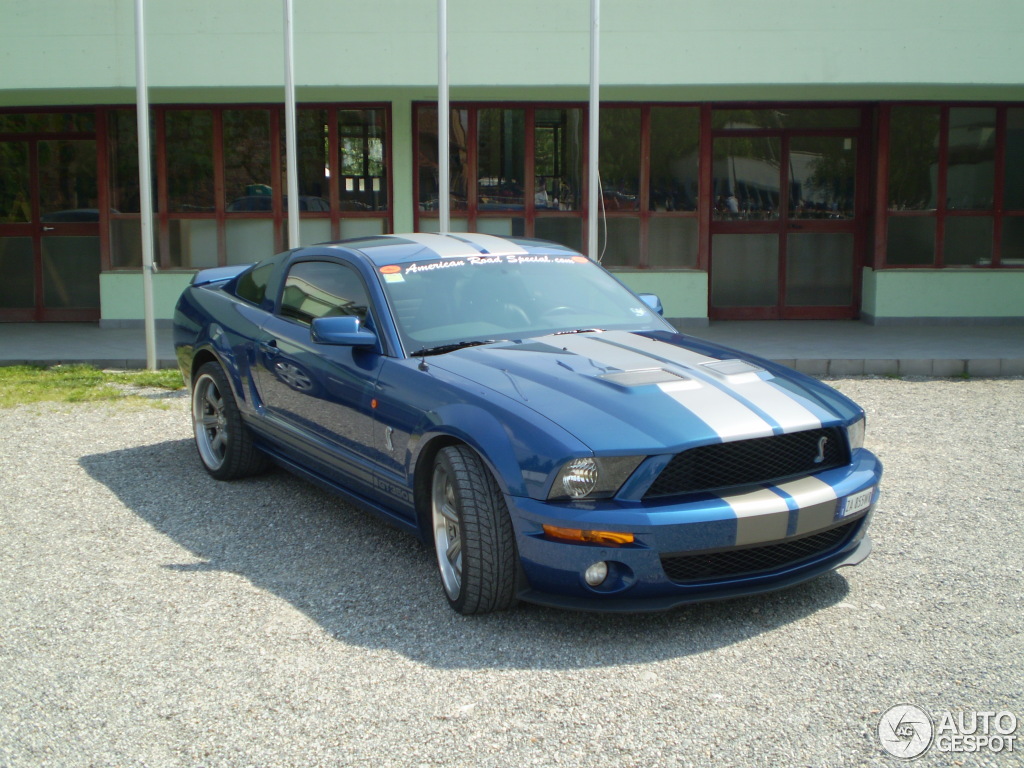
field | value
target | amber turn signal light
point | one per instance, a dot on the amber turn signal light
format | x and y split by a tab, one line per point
588	537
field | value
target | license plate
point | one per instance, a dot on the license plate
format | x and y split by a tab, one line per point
858	502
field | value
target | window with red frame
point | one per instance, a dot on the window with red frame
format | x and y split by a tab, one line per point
954	189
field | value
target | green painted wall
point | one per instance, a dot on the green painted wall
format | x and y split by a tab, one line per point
684	295
121	294
402	164
947	293
89	44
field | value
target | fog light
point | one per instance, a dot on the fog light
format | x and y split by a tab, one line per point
596	573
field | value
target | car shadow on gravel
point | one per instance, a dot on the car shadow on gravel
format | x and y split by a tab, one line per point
368	584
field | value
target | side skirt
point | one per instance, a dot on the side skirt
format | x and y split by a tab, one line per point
357	500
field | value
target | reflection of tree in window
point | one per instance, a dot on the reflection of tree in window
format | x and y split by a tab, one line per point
458	155
783	119
500	158
361	159
558	155
619	158
246	154
675	140
189	151
746	177
822	176
14	182
970	180
122	128
1013	168
913	158
312	130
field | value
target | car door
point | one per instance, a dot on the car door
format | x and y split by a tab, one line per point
318	396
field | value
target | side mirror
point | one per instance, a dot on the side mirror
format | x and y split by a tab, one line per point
343	331
652	301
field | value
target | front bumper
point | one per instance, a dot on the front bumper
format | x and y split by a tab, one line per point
714	546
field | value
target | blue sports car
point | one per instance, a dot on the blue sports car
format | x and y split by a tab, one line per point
543	428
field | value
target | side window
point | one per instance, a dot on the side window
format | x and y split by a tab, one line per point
252	285
322	289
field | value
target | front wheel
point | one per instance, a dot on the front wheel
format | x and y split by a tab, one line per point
225	444
473	535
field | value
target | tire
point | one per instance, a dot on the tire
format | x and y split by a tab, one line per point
472	531
224	443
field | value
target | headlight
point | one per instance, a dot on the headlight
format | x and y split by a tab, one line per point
591	477
855	434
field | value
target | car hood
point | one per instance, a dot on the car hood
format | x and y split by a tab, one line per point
649	392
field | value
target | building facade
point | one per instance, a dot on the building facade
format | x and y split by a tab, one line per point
816	161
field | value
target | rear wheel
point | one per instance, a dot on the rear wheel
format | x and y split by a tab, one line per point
473	535
225	444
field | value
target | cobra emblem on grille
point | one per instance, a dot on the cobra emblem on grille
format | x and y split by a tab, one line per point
821	450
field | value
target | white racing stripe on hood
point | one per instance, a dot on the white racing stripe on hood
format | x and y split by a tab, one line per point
766	397
669	352
724	415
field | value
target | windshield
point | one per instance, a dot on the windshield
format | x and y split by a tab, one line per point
444	302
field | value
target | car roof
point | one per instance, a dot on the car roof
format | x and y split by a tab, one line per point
405	248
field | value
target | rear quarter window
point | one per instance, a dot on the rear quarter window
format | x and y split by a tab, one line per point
252	284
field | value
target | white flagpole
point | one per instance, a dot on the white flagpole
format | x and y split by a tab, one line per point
291	151
593	185
443	118
145	184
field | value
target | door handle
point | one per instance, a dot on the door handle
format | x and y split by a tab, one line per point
269	348
48	229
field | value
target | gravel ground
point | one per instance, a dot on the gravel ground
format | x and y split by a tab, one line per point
152	616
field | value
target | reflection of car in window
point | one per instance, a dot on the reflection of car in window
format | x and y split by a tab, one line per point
552	438
265	203
75	215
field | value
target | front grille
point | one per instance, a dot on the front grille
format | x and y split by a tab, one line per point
734	563
758	461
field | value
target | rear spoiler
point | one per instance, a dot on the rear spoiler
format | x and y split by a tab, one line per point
218	274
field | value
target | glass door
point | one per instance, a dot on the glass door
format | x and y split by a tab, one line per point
49	230
784	229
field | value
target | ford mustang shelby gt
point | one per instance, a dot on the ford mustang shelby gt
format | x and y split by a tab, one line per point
540	426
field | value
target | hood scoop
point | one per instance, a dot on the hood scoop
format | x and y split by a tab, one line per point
643	377
736	371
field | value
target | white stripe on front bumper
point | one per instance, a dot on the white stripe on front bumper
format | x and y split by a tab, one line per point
761	515
811	496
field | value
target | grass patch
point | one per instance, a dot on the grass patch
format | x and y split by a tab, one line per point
20	384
